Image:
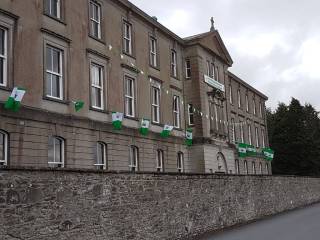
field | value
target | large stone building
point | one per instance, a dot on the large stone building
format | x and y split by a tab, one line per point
114	57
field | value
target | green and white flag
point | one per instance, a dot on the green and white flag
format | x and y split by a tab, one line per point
14	101
117	118
167	129
144	128
78	105
242	150
251	150
268	154
189	137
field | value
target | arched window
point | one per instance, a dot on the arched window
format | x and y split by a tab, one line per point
134	158
254	168
101	156
160	165
4	148
237	166
260	168
222	164
180	162
246	167
56	151
267	168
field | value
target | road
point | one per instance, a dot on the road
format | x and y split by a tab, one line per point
302	224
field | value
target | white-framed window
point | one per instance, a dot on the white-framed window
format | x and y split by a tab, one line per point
257	138
246	167
254	172
239	98
56	151
247	103
241	132
176	111
97	86
101	156
208	69
216	117
250	134
263	137
54	72
237	165
127	38
4	148
267	168
254	107
188	68
230	94
190	114
180	162
233	130
153	52
260	168
155	104
95	19
3	56
212	71
129	96
217	75
53	8
160	162
173	63
134	158
260	109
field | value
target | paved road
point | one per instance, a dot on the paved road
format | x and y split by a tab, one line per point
302	224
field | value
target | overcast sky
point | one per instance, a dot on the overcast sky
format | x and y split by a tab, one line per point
275	44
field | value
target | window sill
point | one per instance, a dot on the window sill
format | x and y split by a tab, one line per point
7	89
157	124
176	78
55	18
56	100
154	67
129	55
100	40
131	118
98	110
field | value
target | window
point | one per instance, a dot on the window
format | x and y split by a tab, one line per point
217	74
241	132
267	168
134	158
4	148
153	52
257	138
254	107
212	71
53	8
129	97
260	168
127	38
173	63
208	69
180	162
97	83
216	117
230	94
260	109
247	103
237	167
233	130
246	167
56	152
191	114
176	111
101	157
250	134
3	56
54	72
155	105
263	138
239	99
95	19
160	167
188	68
254	168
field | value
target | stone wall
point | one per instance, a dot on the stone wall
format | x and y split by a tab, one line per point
86	205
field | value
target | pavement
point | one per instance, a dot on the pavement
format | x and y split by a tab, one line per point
301	224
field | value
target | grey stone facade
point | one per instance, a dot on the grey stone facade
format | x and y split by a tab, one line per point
86	205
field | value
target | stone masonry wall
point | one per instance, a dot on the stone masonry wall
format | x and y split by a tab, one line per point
86	205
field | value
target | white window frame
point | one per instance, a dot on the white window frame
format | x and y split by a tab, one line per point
188	68
263	136
93	20
5	146
216	117
174	72
180	162
190	114
58	74
254	107
267	168
250	134
208	69
50	2
155	88
127	37
129	98
5	58
254	171
241	132
217	75
260	109
153	52
257	137
95	86
260	168
176	111
212	71
62	142
102	165
134	159
247	103
160	160
239	98
233	130
237	166
246	169
230	94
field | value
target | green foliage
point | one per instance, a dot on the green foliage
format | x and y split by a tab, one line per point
294	135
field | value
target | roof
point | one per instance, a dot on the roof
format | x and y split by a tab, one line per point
247	85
